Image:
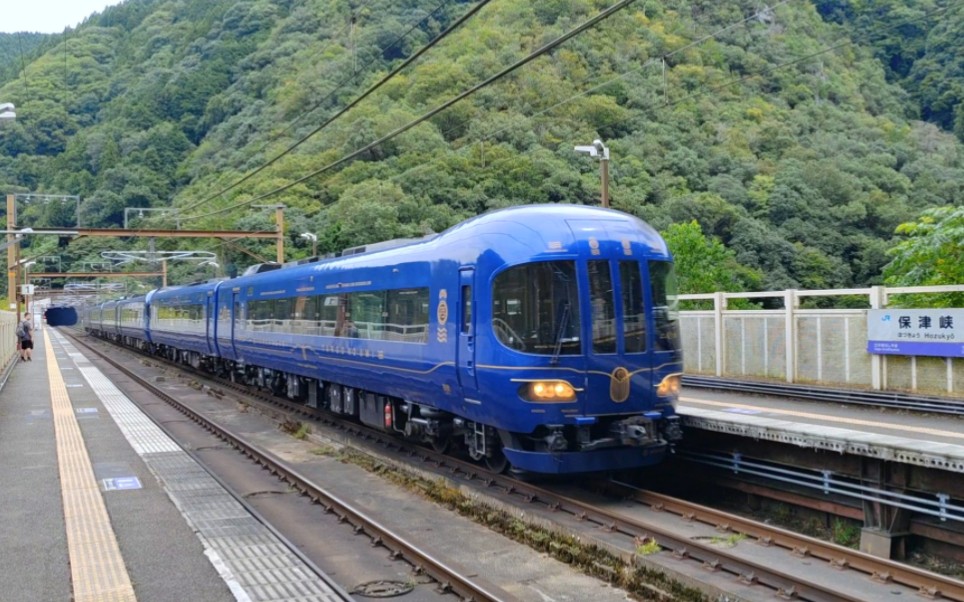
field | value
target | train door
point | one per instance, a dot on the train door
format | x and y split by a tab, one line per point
465	350
210	315
235	318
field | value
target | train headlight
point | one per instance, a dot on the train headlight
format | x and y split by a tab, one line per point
548	391
669	387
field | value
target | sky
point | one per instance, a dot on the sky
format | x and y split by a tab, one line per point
47	16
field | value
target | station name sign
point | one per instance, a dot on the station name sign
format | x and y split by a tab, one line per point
934	332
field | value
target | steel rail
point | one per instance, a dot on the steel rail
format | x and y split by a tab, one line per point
450	576
712	557
840	556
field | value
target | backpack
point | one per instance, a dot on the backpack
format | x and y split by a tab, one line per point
21	330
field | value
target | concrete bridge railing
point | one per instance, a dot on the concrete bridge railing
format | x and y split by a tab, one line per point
800	345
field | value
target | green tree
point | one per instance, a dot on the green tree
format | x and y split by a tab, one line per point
704	265
931	254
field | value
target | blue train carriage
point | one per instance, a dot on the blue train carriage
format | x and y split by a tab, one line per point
88	318
132	321
181	323
345	334
543	336
573	354
106	320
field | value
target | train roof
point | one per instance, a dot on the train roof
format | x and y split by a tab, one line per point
513	234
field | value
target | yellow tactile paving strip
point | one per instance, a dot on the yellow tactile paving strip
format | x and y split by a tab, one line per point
97	568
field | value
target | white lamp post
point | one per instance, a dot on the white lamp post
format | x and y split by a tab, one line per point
598	149
314	242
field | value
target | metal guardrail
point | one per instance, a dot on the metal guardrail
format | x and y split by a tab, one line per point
938	506
888	399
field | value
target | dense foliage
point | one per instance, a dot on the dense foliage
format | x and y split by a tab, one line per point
791	139
15	50
919	43
931	252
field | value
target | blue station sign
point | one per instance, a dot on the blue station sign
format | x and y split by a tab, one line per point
933	332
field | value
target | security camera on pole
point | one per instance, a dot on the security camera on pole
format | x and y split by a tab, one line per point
598	149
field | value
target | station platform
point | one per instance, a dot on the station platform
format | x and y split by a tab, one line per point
97	502
930	441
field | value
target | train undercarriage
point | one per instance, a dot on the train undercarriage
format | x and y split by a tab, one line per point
443	431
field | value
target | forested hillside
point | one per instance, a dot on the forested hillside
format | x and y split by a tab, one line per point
919	44
797	137
15	50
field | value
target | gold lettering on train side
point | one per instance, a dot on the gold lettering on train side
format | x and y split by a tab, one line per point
442	315
619	385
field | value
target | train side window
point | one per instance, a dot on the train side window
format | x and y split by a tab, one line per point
603	307
407	315
466	308
329	315
282	315
634	308
365	315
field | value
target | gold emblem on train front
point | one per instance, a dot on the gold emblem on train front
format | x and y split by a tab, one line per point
593	246
619	385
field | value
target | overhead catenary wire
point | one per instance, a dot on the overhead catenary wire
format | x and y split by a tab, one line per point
531	57
764	11
23	65
425	117
337	87
722	86
684	48
388	77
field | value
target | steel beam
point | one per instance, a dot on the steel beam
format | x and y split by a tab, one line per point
144	232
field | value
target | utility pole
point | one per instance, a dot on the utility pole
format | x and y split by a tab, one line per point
279	215
598	149
13	248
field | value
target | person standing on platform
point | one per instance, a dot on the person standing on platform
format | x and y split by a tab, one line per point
25	334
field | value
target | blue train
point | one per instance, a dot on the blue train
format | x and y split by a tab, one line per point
544	337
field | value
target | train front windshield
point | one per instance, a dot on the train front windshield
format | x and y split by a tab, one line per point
536	307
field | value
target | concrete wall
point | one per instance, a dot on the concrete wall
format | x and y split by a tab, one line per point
8	338
821	346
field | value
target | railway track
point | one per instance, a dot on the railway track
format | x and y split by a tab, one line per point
753	571
449	576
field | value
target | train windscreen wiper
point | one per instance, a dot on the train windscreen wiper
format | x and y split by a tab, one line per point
563	324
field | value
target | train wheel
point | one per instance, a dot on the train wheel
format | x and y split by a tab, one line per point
497	462
442	444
